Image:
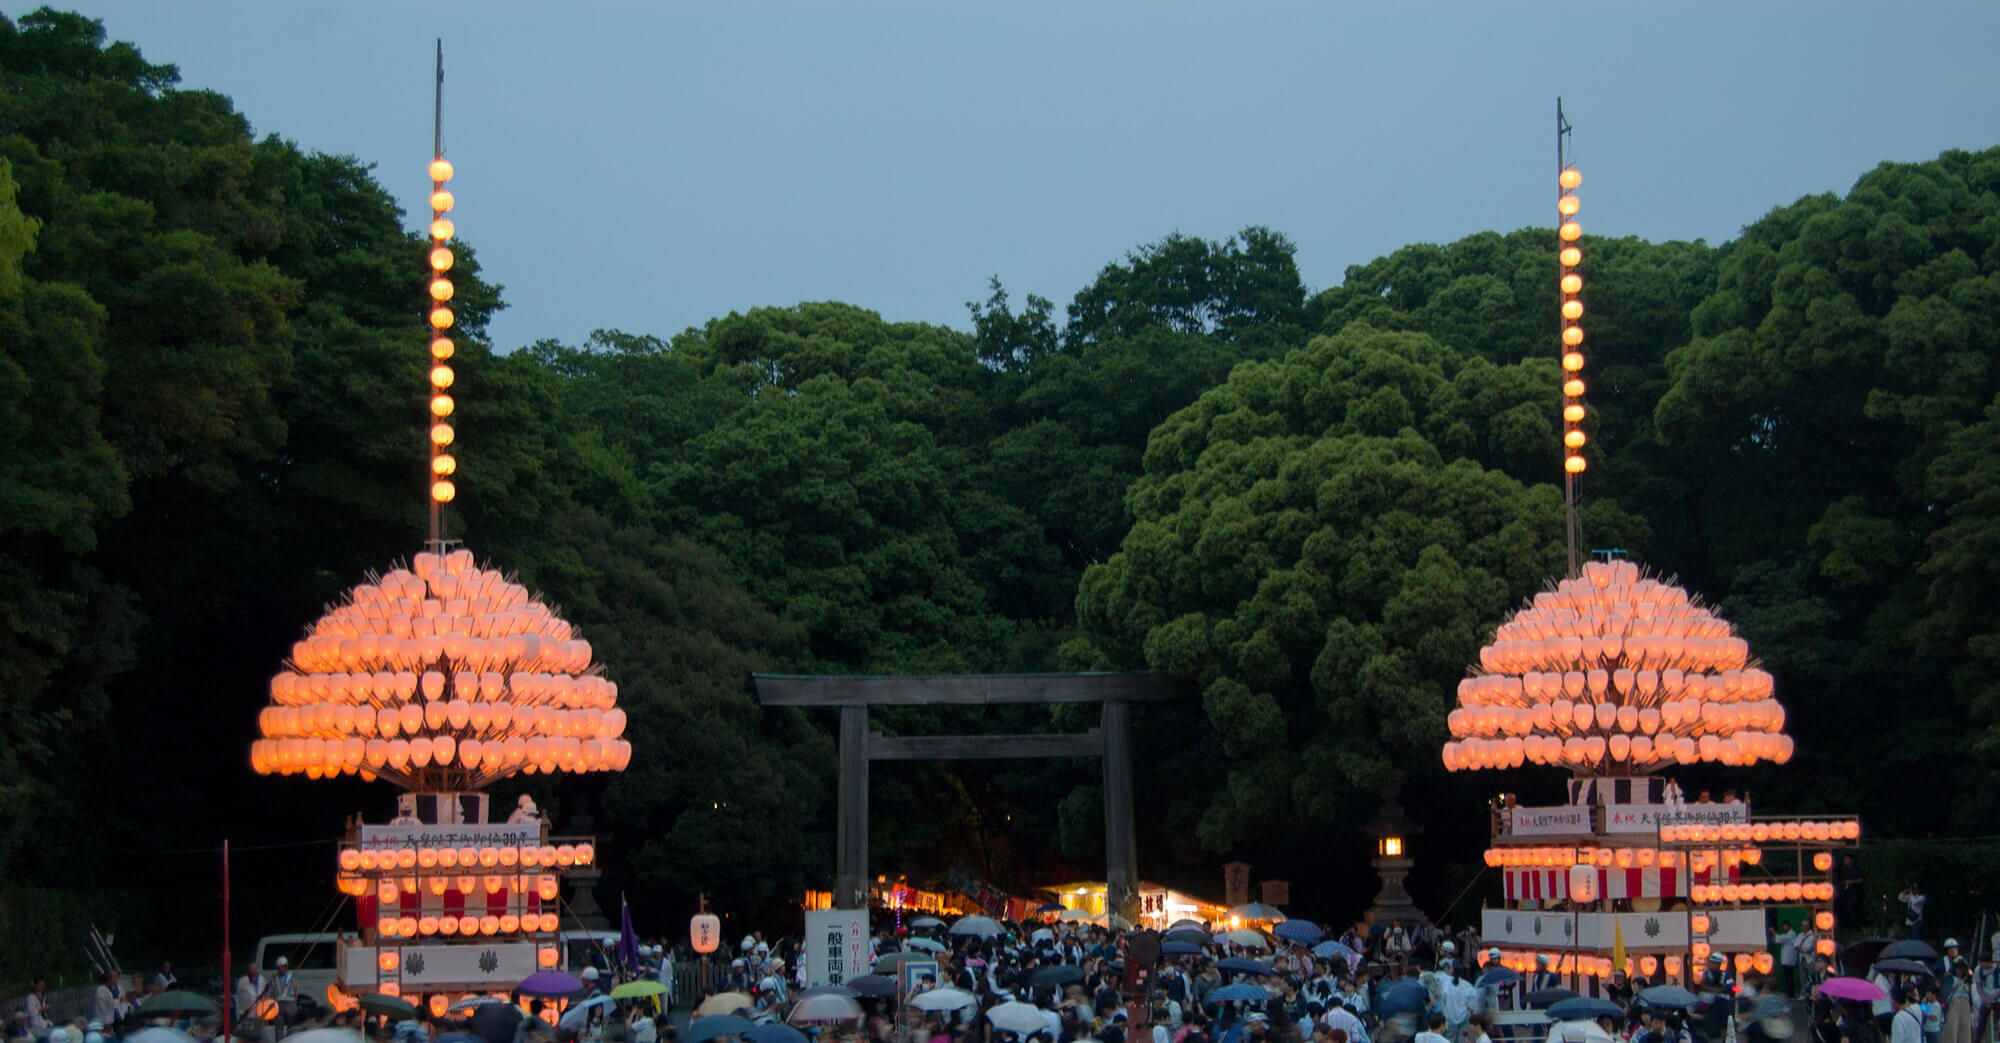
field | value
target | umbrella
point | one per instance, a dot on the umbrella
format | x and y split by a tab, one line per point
725	1003
328	1034
391	1006
1248	939
496	1022
1022	1019
1180	949
635	989
827	1006
549	984
1239	965
177	1003
472	1002
1581	1032
1403	997
1054	976
1852	989
1583	1008
1257	911
1074	914
1299	931
1182	934
978	926
1901	967
574	1016
1232	993
774	1033
715	1027
838	990
1547	996
1497	975
925	944
1864	952
1049	907
1188	925
449	1037
1043	934
1330	949
1671	997
158	1034
885	964
871	985
944	999
925	922
1908	949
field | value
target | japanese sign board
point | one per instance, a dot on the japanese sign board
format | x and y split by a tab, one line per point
836	949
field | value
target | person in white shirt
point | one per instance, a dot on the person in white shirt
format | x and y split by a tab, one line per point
1459	1001
104	999
1433	1027
1340	1017
1787	939
1907	1026
251	988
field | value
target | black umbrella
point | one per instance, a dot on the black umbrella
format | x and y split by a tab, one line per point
495	1022
1862	953
1239	965
387	1006
873	985
1907	949
715	1026
1671	997
1902	967
1055	976
1545	997
1582	1007
1192	937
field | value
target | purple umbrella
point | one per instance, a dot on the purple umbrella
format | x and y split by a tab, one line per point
1851	989
549	983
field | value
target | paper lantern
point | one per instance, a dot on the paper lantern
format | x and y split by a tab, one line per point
704	932
548	955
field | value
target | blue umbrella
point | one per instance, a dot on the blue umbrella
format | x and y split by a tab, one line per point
1584	1008
1499	976
1299	931
774	1033
1404	997
1180	949
1331	949
1049	907
1232	993
715	1026
1239	965
1671	996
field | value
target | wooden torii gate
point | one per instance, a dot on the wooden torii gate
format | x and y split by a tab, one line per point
1111	741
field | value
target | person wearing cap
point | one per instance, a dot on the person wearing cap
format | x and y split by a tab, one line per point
1716	976
285	989
1542	977
1953	959
94	1032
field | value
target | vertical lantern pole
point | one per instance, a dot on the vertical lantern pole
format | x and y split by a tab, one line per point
1568	257
443	464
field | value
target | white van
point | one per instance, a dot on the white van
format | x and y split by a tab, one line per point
314	960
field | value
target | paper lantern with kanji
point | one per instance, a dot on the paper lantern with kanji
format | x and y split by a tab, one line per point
1614	672
444	676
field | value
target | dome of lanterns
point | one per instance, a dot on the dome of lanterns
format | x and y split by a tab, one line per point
442	677
1615	673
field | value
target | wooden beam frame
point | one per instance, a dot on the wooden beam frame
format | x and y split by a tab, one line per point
982	747
957	689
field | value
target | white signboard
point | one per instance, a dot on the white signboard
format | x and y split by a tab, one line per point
836	948
1730	929
1648	818
489	834
427	966
1559	821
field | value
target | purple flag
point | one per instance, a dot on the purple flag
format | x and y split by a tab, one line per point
628	939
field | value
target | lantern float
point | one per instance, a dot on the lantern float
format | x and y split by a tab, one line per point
1619	677
443	675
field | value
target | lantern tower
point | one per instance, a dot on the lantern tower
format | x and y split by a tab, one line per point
1618	676
443	676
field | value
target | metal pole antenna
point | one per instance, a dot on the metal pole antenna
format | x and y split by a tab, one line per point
1569	478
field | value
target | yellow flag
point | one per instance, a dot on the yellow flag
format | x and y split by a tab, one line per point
1617	944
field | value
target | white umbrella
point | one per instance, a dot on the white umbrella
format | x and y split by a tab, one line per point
1042	934
1021	1018
826	1006
468	1003
1247	938
574	1016
925	944
944	999
982	926
1579	1031
926	921
1257	911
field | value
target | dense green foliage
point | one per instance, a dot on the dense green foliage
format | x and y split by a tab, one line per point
1311	509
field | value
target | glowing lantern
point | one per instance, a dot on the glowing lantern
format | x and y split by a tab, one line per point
1570	231
1572	283
1570	257
1744	962
1825	946
441	290
1572	310
441	229
442	348
1823	920
441	170
439	1004
704	932
441	259
441	318
1566	206
1573	464
1569	179
441	200
547	955
1574	389
1700	923
1823	861
443	464
1649	965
